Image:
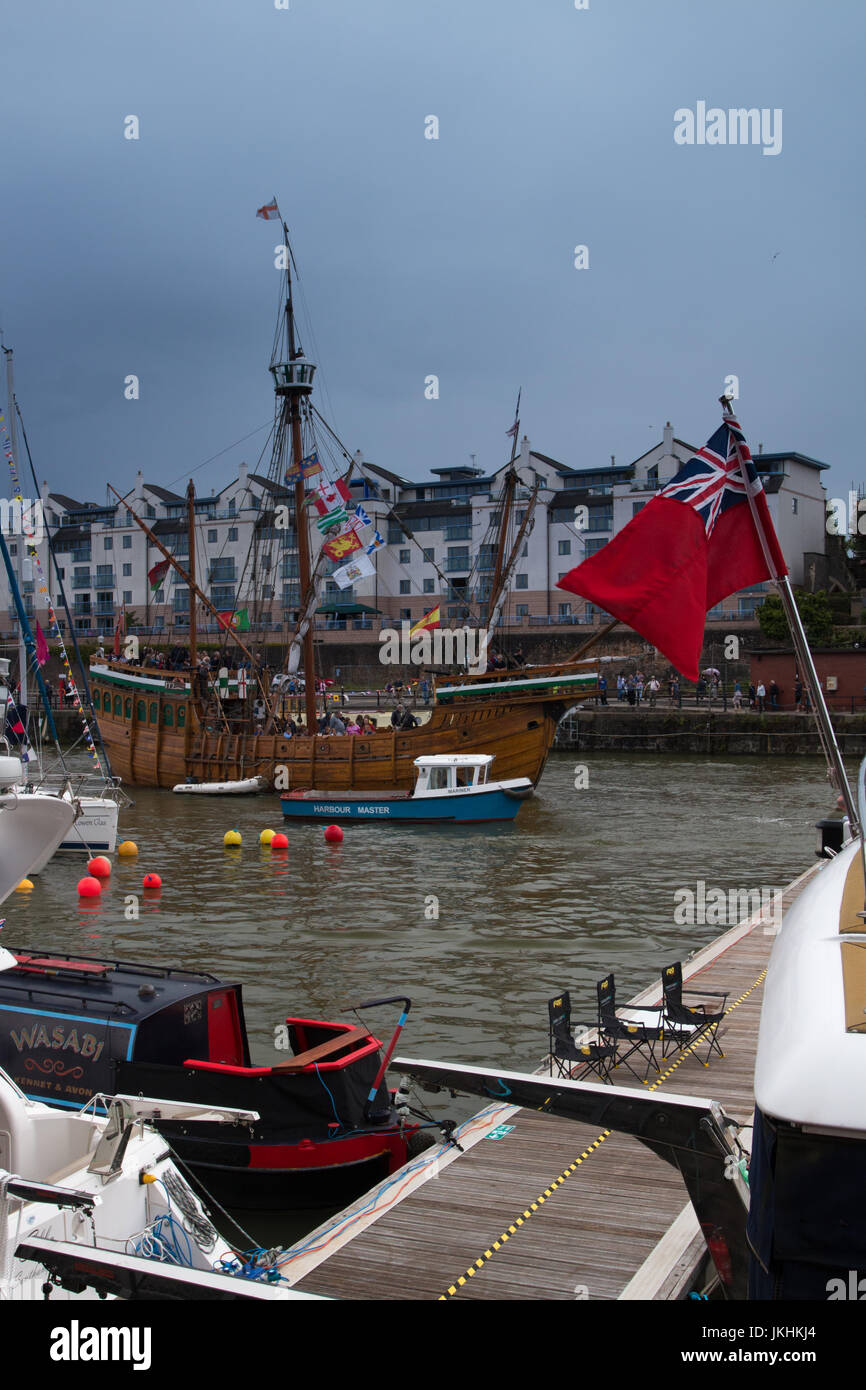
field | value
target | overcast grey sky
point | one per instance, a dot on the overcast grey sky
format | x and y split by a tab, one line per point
452	257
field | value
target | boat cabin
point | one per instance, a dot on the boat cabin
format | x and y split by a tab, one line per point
451	772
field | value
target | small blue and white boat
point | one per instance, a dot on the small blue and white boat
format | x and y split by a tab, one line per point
449	787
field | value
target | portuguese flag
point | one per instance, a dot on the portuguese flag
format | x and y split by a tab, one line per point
239	621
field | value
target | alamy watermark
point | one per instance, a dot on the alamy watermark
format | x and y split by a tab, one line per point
714	907
21	517
737	126
846	519
440	646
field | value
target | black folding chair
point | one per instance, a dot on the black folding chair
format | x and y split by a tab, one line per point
640	1035
565	1053
700	1018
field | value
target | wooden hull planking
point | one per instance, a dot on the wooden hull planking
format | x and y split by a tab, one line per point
151	752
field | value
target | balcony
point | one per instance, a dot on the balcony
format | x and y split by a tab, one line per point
82	581
104	610
457	566
223	574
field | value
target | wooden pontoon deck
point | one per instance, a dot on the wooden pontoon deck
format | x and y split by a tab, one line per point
552	1209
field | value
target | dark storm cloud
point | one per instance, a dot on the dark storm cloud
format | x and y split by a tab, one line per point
451	257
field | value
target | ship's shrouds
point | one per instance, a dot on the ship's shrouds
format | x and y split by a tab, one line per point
692	545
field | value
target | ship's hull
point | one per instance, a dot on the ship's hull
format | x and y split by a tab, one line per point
155	751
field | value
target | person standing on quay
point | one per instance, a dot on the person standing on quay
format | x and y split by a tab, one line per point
761	694
602	689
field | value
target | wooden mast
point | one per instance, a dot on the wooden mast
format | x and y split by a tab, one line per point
190	502
185	576
293	402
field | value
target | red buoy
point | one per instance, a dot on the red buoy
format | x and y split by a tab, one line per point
152	881
100	867
280	841
89	887
333	834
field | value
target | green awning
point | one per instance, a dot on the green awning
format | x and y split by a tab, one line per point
346	609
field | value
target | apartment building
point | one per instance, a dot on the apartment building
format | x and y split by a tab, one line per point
440	545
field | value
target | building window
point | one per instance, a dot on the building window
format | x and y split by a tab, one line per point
13	548
637	507
522	581
592	548
521	610
233	533
405	586
429	586
406	613
794	502
127	596
127	571
211	537
525	551
107	542
429	557
565	610
405	557
564	548
127	542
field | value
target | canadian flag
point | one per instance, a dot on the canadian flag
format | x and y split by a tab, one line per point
330	497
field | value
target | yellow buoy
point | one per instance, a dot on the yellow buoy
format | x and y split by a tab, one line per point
232	837
266	837
128	847
25	886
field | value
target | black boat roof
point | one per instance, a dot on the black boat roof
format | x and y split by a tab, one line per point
125	988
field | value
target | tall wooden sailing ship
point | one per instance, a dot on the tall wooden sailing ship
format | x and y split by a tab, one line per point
164	727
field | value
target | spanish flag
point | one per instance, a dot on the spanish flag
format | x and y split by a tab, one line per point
431	619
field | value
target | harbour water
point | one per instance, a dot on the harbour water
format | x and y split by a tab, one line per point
478	925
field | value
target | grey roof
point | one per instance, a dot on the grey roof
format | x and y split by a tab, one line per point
163	493
760	459
554	463
68	504
386	473
275	489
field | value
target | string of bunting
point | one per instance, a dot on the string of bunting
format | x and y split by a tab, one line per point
53	624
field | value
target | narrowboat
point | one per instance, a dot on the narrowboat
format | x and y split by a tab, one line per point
71	1028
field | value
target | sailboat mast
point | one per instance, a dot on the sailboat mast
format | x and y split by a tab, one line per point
190	503
291	382
13	440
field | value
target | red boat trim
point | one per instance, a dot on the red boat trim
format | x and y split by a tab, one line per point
334	1153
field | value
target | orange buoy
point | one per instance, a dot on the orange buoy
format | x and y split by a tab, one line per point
100	867
280	841
89	887
25	886
127	848
333	834
152	881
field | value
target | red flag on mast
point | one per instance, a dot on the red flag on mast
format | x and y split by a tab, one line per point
691	546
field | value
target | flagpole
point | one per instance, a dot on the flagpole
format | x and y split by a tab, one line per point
826	732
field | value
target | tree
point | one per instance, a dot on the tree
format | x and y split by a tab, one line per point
814	610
